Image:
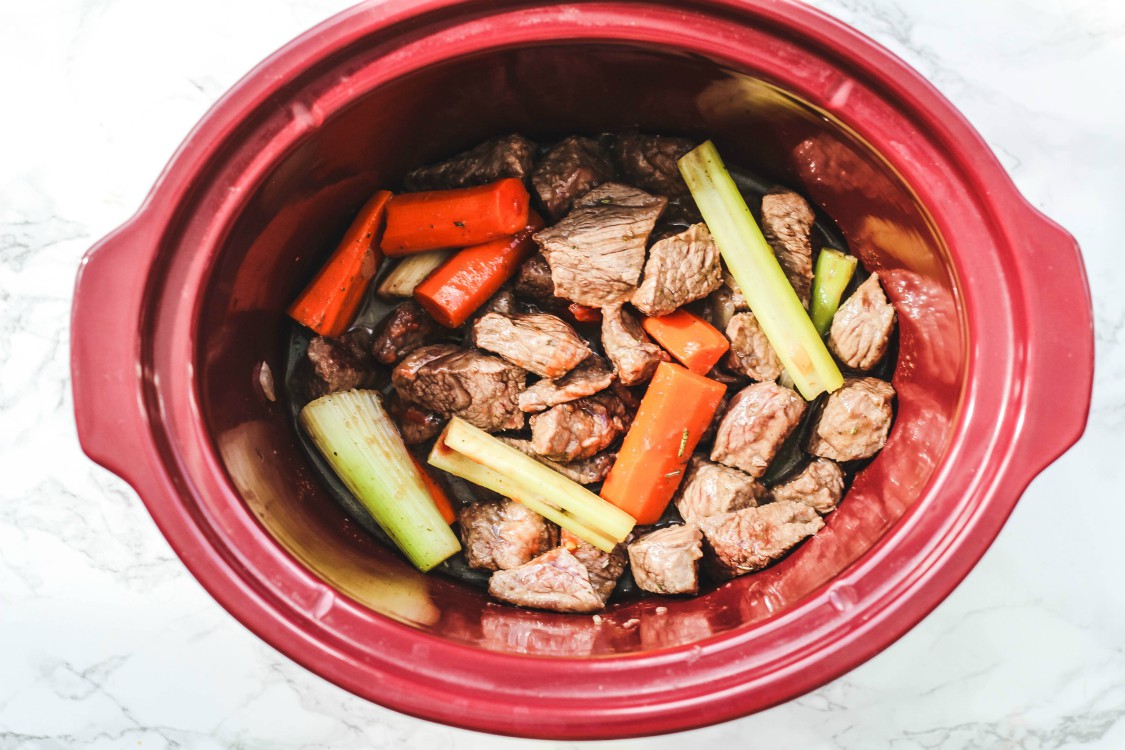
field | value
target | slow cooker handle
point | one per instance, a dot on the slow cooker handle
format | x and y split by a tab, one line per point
105	364
1059	345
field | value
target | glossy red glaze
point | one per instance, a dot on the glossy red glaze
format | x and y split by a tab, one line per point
175	310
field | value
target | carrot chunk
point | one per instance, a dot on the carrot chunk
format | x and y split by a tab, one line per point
688	338
454	218
437	492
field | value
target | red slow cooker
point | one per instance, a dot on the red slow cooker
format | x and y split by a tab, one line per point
175	311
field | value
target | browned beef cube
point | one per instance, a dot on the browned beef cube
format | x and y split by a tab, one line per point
862	326
454	382
584	471
750	539
415	423
787	221
855	421
568	171
820	486
503	302
589	377
541	343
534	280
555	580
709	489
680	269
650	162
604	568
667	560
756	423
597	251
340	364
750	351
405	328
507	156
628	347
503	535
579	429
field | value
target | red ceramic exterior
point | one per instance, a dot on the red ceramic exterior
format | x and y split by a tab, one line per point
1021	288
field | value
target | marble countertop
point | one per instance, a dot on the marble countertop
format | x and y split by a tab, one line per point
107	642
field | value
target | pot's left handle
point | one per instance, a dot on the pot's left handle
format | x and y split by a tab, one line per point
105	362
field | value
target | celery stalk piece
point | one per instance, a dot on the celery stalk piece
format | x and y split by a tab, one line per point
572	506
834	270
363	446
751	261
410	272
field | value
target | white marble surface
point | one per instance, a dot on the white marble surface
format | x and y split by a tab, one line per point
106	641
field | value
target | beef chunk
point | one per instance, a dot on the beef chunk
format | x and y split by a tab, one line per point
628	347
340	364
534	280
604	568
416	423
750	539
584	471
579	429
820	486
507	156
709	489
555	580
750	350
589	377
481	389
541	343
680	269
667	561
569	170
503	302
649	161
405	328
862	326
597	251
787	221
855	421
503	535
758	420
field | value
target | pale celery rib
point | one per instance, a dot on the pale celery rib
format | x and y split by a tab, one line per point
410	272
476	456
751	261
363	446
834	270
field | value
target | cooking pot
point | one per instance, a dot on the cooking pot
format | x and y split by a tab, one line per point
177	310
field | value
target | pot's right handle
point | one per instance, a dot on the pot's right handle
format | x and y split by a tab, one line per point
105	361
1059	344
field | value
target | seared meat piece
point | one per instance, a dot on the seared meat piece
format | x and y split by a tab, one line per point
541	343
680	269
758	420
584	471
862	326
590	376
604	568
416	424
534	280
507	156
579	429
405	328
750	350
555	580
709	489
750	539
597	251
787	221
649	161
479	388
855	421
503	302
568	170
503	535
628	347
340	364
820	486
667	561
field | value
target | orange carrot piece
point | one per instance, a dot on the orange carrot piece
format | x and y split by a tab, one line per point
330	303
676	410
437	492
454	218
688	338
458	288
585	314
